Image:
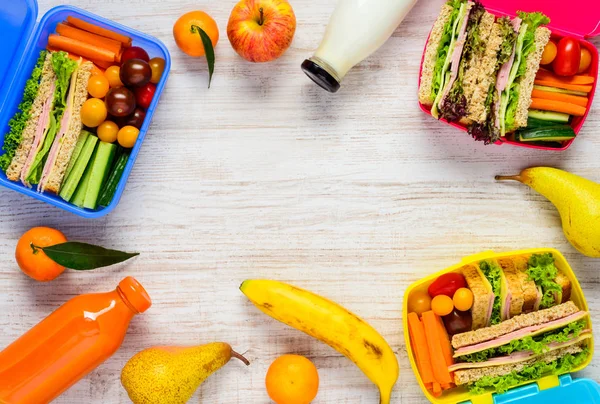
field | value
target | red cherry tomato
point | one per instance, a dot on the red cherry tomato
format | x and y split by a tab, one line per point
447	284
135	52
144	95
568	56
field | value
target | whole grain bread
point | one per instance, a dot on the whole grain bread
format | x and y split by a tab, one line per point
513	286
431	51
514	324
528	286
481	295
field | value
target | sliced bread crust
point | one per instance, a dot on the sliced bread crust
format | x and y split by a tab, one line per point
513	286
13	173
69	140
481	295
431	51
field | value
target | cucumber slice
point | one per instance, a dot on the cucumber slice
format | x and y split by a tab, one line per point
74	178
79	197
559	90
109	189
548	116
103	159
78	147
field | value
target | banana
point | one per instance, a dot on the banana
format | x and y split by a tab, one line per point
330	323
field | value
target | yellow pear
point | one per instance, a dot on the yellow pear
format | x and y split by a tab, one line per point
577	200
170	374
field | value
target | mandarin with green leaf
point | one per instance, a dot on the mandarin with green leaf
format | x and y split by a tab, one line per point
33	261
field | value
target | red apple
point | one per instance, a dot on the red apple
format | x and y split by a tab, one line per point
261	30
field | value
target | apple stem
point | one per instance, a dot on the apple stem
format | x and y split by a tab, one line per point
262	19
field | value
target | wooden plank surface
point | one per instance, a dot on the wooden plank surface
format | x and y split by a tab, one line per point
353	195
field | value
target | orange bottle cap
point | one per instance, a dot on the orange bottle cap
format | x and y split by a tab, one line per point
135	294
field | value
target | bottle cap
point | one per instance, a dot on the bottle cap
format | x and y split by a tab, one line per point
135	294
320	76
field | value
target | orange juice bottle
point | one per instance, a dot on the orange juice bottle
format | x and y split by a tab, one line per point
68	344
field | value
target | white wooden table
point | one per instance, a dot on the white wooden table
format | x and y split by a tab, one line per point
353	196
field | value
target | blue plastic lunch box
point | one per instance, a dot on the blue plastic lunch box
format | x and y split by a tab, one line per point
22	40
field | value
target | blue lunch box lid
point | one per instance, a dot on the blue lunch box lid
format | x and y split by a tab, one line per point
567	391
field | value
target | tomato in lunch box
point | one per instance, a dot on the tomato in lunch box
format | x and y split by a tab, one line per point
144	95
458	322
135	119
586	60
134	52
447	284
135	73
568	56
419	302
120	101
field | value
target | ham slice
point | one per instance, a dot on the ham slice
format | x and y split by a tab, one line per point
64	127
504	72
507	302
532	330
538	299
520	356
490	309
40	130
456	54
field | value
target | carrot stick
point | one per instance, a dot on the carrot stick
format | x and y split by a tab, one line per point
72	56
445	340
557	106
86	26
89	38
438	363
437	389
577	79
549	95
418	342
558	84
80	48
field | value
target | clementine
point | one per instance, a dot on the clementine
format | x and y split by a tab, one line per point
188	38
292	379
34	262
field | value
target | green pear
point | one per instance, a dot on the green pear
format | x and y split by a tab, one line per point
577	200
171	375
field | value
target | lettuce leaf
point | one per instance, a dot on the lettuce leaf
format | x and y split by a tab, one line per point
63	68
443	48
17	124
543	272
537	344
557	367
525	45
492	272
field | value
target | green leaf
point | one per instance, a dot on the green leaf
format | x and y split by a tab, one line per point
208	50
82	256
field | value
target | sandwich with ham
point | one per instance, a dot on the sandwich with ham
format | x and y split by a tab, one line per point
485	282
526	347
479	70
45	130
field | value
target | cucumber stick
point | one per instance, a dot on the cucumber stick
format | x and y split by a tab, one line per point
548	116
109	189
77	171
79	198
77	151
100	169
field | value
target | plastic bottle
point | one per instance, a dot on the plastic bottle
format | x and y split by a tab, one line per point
68	344
356	29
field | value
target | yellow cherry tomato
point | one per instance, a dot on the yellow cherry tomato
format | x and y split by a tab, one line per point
442	305
419	302
585	61
112	74
98	86
108	131
93	112
158	67
463	299
549	53
127	136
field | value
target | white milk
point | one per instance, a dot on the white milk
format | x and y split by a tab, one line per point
356	29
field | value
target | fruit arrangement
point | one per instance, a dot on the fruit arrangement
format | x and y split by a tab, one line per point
512	318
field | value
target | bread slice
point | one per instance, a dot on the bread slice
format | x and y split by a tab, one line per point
530	290
472	375
511	285
431	51
13	173
481	71
69	140
514	324
542	36
565	284
482	295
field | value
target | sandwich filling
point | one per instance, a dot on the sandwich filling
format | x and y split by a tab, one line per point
493	273
63	68
543	272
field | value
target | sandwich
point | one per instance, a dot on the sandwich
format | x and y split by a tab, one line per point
485	282
479	70
525	347
553	286
44	132
518	293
